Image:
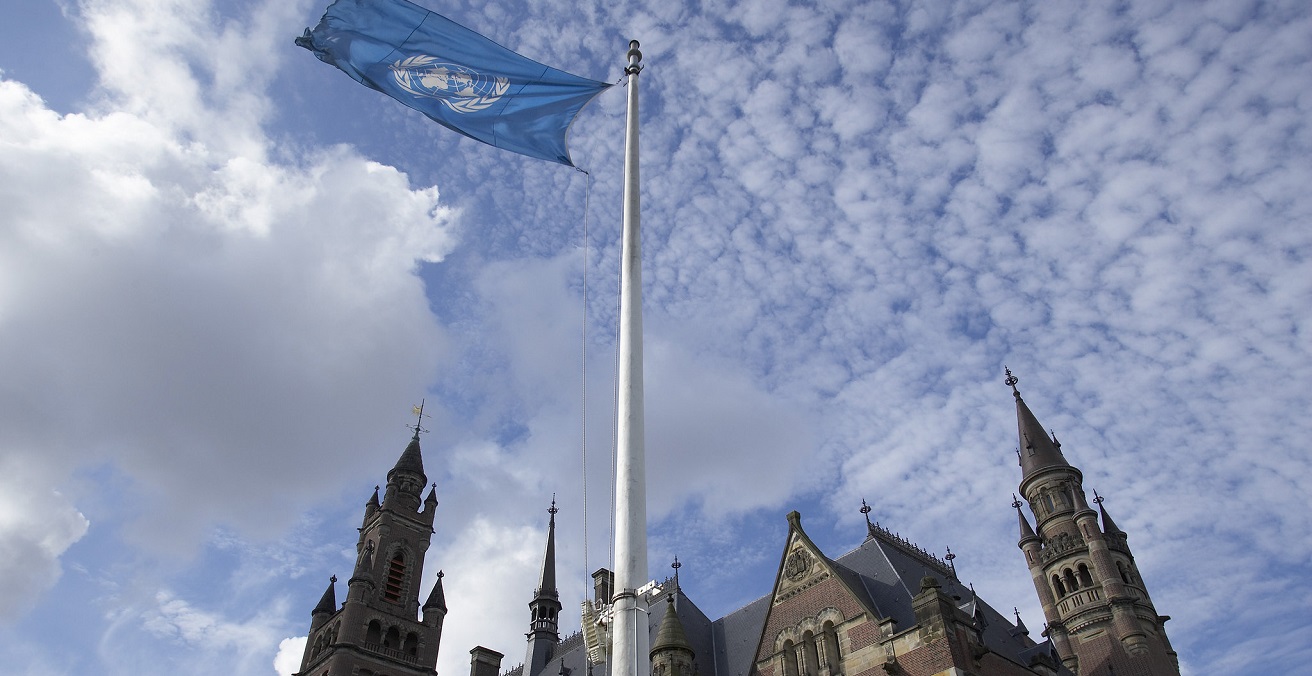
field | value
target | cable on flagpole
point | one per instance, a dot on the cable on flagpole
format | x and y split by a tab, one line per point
587	201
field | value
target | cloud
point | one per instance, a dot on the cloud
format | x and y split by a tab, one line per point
37	526
290	652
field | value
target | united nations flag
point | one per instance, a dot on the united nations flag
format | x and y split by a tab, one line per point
455	76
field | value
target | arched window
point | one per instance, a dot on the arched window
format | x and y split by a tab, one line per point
1124	570
832	659
1056	584
790	659
810	655
374	634
392	639
395	585
1069	577
411	643
1086	580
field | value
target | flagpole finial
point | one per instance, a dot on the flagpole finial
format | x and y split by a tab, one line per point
635	59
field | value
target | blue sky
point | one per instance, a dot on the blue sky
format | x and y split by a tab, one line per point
227	271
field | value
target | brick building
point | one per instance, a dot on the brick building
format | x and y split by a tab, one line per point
886	607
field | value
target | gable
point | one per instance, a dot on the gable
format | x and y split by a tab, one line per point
808	592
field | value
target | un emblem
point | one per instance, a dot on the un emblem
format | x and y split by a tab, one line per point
462	89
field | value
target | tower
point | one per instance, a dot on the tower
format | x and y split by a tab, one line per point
1100	617
671	655
544	609
378	629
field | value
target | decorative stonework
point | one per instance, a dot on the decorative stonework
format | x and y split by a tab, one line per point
1060	544
797	565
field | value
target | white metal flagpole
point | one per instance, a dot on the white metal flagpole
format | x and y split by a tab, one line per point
629	638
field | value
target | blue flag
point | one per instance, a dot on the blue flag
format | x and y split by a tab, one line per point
455	76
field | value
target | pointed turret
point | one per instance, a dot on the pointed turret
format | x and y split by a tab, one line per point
405	481
435	609
671	635
544	609
1026	532
547	580
411	460
1037	451
1108	526
671	654
437	597
327	605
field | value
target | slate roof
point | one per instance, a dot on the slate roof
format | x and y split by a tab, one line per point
885	569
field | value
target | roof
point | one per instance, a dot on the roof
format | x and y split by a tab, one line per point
884	571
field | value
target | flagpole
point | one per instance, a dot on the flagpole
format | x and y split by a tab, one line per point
629	629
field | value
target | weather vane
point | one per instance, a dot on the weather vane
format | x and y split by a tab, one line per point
953	566
418	411
1011	378
552	509
1097	499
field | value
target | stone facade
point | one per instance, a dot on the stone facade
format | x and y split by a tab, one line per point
378	630
1100	617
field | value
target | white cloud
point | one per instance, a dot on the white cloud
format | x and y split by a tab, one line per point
290	652
37	525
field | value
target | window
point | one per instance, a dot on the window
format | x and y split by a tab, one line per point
395	584
1069	578
1056	584
374	634
411	643
392	639
1086	580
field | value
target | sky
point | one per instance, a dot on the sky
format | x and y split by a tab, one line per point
227	273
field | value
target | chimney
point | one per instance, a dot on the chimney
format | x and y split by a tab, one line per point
484	662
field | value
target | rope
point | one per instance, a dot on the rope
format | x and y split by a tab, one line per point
587	200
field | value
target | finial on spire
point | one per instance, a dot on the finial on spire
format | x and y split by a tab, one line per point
440	575
635	59
865	509
553	510
333	580
1015	501
676	566
951	565
1097	499
418	411
1054	438
1011	380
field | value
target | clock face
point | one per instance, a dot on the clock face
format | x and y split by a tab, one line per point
797	564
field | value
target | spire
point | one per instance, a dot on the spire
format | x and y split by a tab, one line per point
1021	629
544	609
1108	526
373	501
411	460
671	635
547	581
328	603
1026	533
437	597
432	496
1037	451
